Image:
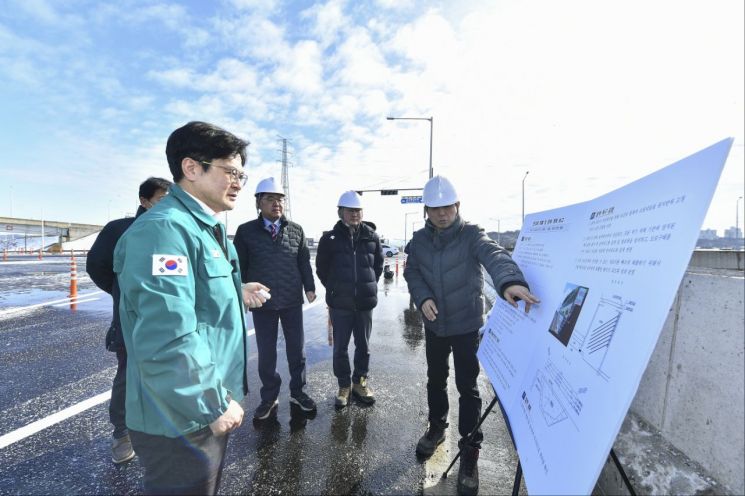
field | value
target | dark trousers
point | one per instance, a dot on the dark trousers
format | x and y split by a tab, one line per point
266	324
117	412
464	348
189	464
347	323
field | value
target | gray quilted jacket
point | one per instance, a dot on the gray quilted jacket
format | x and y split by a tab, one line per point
446	267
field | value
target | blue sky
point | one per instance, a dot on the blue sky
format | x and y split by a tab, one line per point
586	95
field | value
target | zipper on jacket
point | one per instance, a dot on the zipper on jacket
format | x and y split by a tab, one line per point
354	267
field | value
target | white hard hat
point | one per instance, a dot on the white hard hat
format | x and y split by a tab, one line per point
269	185
439	192
350	199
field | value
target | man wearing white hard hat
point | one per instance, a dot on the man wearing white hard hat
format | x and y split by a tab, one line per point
445	280
349	263
273	250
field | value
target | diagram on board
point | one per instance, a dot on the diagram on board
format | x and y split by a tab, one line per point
549	405
594	344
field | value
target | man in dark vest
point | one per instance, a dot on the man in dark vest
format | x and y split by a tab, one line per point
272	250
349	263
100	268
445	278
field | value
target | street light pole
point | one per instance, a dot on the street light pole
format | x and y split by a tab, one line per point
526	175
431	127
406	225
737	218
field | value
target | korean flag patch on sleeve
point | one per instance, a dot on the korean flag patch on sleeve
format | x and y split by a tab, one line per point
170	265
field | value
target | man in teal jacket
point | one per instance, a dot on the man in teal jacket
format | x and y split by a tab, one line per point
182	316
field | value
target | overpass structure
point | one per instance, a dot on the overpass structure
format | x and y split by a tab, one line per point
64	231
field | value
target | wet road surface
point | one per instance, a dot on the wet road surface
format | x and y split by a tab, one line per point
52	358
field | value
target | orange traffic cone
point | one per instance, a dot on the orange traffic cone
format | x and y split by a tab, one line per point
73	284
397	267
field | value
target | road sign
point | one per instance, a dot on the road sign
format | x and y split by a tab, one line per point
411	199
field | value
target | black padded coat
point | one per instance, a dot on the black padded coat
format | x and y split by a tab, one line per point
349	267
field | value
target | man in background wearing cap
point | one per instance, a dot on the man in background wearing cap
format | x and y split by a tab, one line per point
272	250
444	275
349	263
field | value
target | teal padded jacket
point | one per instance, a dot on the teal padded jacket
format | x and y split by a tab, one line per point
182	318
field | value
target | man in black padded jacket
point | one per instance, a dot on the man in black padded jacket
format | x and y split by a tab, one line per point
349	263
99	265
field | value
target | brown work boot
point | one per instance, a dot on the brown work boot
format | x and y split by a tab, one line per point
363	393
342	397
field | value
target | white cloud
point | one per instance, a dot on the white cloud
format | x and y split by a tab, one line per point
301	71
329	21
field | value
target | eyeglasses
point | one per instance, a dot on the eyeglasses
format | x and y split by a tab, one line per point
235	175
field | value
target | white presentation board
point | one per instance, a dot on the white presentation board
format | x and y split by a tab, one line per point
606	272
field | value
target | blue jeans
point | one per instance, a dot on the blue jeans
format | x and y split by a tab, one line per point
117	412
464	348
348	323
266	325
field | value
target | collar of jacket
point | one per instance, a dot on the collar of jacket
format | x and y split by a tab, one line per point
140	210
441	238
282	221
342	230
193	207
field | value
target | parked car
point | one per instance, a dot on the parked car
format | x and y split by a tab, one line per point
389	251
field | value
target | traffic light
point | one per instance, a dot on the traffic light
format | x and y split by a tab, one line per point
388	191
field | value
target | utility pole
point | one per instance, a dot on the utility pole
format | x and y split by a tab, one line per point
286	178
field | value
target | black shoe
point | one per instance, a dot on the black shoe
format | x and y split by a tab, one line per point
265	409
303	401
429	442
468	473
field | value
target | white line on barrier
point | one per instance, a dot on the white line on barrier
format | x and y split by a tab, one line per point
67	300
21	262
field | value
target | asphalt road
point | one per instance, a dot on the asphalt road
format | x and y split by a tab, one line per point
52	359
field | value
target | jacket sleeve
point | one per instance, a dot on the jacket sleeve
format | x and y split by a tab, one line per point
303	263
379	260
242	249
497	262
418	287
323	260
100	260
163	338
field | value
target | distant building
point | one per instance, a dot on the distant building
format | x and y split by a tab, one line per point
708	234
733	232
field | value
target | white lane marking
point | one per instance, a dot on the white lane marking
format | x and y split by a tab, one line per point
80	300
34	427
65	300
55	418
